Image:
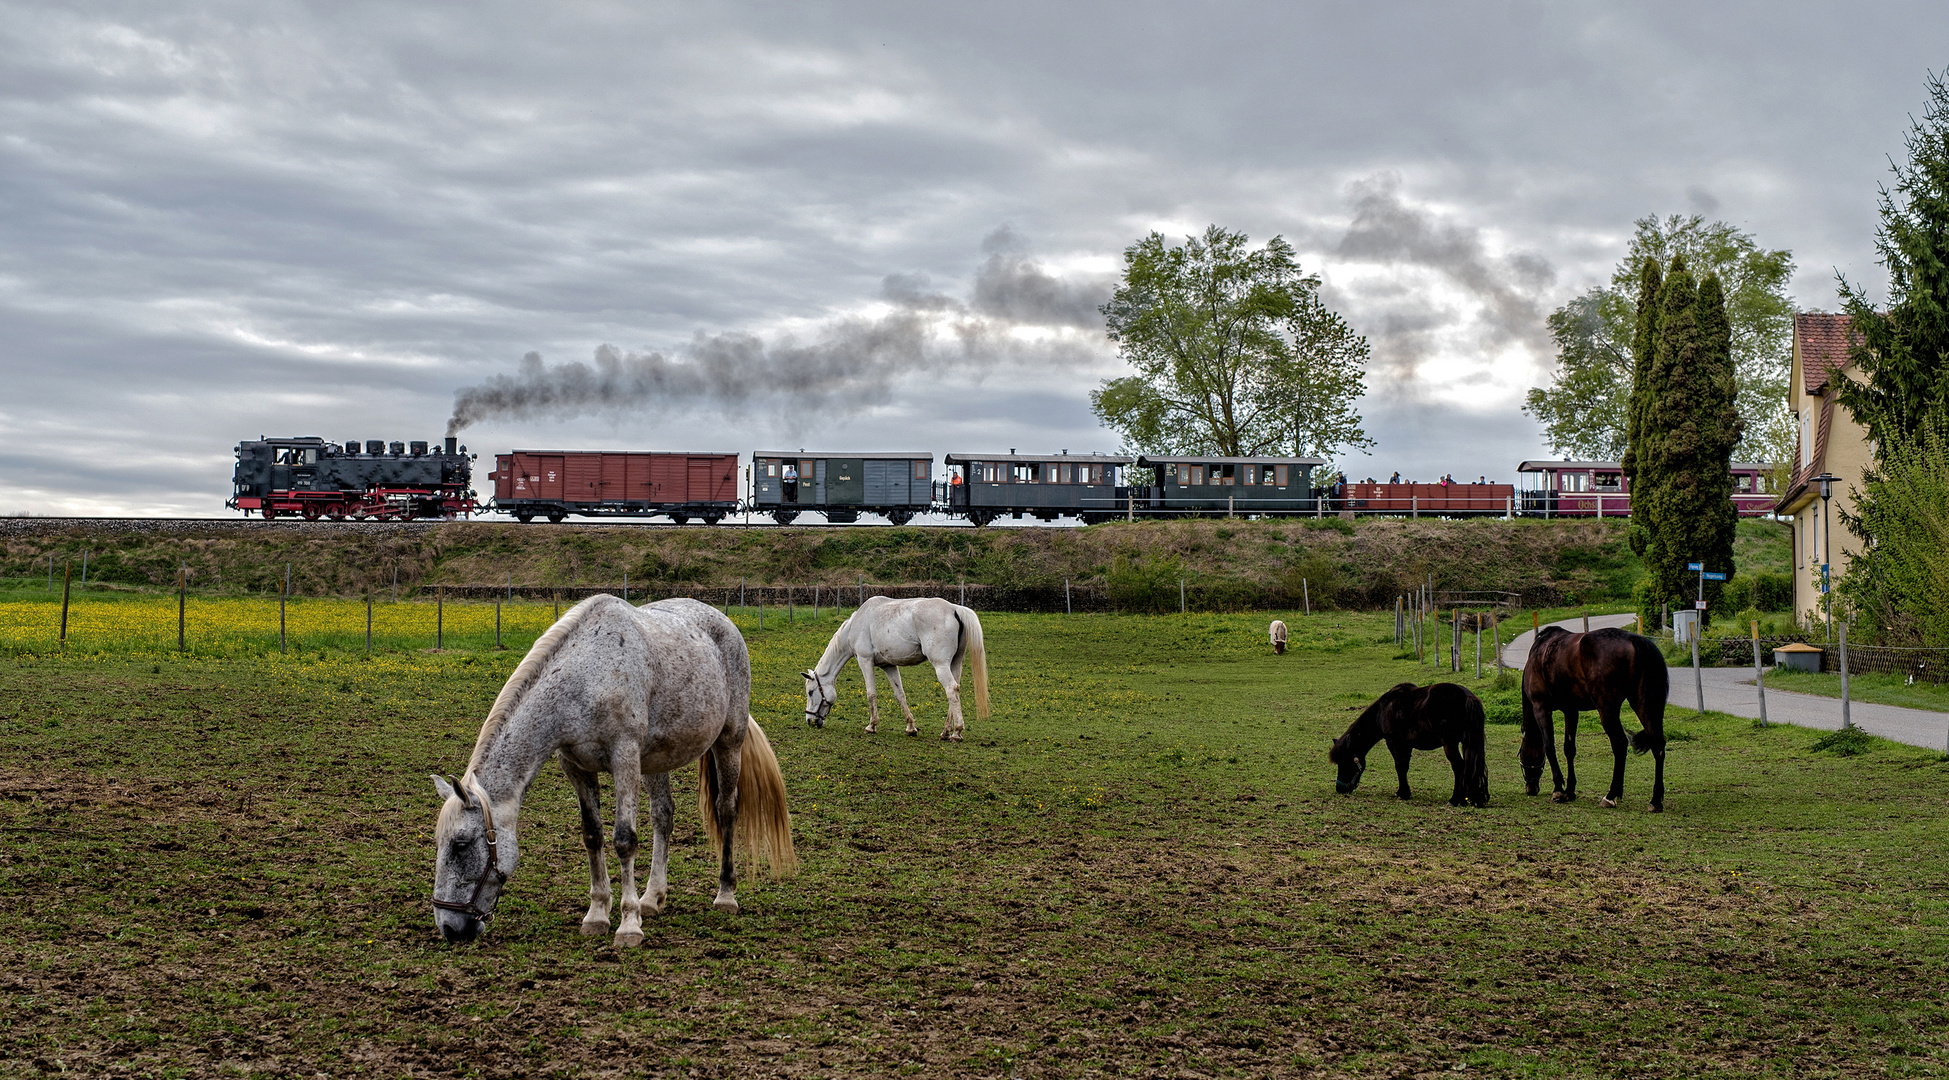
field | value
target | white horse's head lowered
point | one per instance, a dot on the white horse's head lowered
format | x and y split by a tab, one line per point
821	691
473	861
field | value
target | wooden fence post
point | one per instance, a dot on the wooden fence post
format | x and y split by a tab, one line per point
1306	595
67	578
283	593
182	585
368	620
439	616
1066	609
497	625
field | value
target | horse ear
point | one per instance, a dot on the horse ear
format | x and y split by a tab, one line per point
443	788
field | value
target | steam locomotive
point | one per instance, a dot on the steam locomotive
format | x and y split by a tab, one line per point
377	481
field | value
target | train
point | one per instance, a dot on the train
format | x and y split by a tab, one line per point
313	478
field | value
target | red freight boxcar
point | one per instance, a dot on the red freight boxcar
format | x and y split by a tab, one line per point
556	483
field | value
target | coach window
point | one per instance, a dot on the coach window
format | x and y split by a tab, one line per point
1230	475
1745	483
805	470
1280	475
1197	476
771	467
1607	481
922	469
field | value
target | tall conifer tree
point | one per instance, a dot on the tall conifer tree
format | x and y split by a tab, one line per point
1687	425
1644	347
1902	399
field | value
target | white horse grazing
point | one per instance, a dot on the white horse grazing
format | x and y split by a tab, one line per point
1278	637
892	634
633	692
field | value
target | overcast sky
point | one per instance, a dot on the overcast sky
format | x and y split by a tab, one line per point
852	226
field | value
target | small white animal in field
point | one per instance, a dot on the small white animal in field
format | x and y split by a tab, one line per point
891	634
1278	637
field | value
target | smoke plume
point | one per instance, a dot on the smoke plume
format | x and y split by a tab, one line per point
852	361
1386	230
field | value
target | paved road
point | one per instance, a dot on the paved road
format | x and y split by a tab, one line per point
1732	691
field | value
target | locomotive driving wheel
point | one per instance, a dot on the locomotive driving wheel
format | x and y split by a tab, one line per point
311	511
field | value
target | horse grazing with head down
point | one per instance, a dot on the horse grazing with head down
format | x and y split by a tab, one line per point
1599	670
1414	718
633	692
1278	631
887	635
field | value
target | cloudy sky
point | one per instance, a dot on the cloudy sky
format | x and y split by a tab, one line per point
851	226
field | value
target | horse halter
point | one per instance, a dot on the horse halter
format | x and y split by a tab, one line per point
818	714
492	869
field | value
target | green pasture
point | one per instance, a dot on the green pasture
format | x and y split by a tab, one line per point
219	865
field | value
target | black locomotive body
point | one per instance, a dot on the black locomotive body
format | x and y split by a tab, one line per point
311	478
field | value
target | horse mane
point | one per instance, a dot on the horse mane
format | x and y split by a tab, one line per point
1368	716
526	672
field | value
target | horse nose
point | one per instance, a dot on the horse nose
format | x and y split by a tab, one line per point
460	931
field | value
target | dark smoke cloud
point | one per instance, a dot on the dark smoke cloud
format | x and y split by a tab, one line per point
1388	231
1015	288
853	362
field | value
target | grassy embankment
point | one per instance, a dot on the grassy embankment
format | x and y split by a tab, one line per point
1346	565
220	864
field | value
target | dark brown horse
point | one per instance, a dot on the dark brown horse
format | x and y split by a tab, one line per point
1414	718
1600	670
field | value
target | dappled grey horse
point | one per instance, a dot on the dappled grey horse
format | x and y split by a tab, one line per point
636	693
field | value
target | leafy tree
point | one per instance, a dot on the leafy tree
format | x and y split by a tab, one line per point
1234	352
1687	427
1585	411
1901	583
1903	399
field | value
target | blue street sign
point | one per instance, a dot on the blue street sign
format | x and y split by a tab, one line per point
1711	576
1694	566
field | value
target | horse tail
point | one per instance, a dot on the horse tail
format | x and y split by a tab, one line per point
977	657
1652	689
764	822
1475	750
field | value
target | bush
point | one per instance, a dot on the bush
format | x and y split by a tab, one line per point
1140	584
1761	591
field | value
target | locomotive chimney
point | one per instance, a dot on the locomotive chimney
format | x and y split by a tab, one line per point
452	445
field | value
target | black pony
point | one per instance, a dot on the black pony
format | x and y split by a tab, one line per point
1414	718
1600	670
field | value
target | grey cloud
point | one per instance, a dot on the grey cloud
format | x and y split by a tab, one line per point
1387	230
1014	287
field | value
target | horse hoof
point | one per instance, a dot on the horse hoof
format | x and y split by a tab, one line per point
629	939
1657	808
1562	796
912	733
727	904
595	929
1607	803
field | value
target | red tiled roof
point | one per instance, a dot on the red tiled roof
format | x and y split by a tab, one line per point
1824	341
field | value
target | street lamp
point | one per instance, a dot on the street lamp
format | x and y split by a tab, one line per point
1826	482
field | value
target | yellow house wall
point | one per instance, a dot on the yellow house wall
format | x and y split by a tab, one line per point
1847	458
